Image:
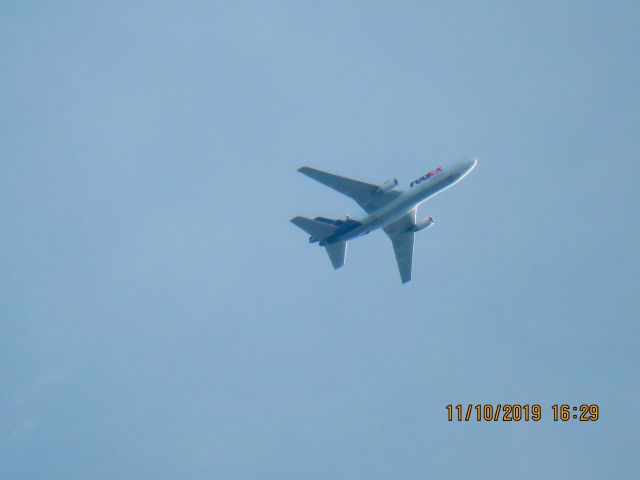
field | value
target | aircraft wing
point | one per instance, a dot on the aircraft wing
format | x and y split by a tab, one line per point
369	196
401	237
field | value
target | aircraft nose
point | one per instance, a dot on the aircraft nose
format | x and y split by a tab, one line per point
465	166
470	163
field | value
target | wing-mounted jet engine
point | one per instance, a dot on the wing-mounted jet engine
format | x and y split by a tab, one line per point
422	224
388	185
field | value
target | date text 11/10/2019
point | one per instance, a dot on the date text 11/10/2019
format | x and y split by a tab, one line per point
516	412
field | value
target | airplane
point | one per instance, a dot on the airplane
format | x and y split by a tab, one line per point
386	206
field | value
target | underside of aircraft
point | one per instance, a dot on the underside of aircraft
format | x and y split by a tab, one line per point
371	198
387	207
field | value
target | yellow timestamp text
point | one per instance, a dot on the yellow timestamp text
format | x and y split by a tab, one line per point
516	412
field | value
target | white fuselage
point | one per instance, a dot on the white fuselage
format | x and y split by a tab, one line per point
419	190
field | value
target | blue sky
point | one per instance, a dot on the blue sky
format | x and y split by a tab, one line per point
162	319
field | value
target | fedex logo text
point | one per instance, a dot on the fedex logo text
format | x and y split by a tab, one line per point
432	173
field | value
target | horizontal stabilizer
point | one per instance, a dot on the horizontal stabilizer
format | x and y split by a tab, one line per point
317	230
330	221
337	251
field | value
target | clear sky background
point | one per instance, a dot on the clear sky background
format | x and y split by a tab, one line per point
162	319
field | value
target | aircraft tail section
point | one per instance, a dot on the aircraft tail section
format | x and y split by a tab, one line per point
318	230
337	252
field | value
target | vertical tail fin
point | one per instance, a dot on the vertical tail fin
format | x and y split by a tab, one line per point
321	229
337	252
